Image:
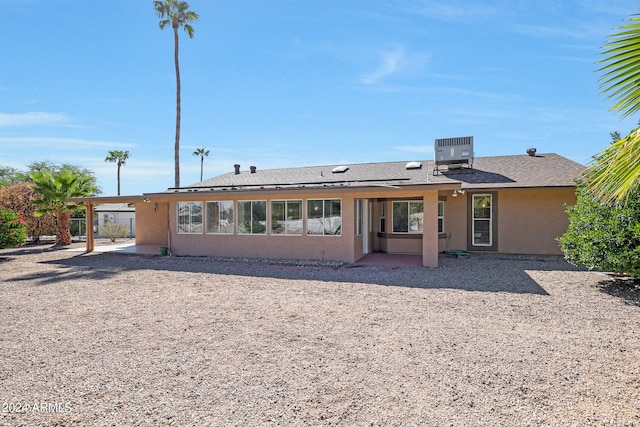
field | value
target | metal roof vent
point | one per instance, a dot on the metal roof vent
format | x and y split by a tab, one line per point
453	152
340	169
413	165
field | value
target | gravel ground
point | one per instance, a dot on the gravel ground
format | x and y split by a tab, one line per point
128	340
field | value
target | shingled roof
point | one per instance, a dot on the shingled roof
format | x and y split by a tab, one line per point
543	170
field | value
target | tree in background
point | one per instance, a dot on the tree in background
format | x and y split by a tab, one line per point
601	236
55	188
120	158
202	153
614	173
65	167
176	13
16	193
9	175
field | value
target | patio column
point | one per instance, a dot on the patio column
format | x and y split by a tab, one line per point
89	227
430	229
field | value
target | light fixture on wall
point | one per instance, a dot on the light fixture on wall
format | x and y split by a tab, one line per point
155	207
456	192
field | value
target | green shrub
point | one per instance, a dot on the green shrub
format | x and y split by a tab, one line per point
13	231
603	237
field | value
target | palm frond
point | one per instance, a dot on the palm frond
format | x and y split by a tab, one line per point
615	171
621	80
175	10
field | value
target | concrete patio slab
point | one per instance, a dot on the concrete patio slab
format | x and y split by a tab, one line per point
127	248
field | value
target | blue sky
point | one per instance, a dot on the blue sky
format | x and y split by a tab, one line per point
296	83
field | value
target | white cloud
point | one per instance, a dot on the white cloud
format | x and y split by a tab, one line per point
33	119
390	64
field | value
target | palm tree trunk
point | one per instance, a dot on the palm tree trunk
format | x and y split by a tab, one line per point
63	236
119	164
201	166
177	144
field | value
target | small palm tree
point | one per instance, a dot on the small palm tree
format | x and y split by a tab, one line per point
176	13
120	158
615	171
55	188
202	153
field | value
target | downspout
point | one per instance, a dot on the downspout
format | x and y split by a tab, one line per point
168	229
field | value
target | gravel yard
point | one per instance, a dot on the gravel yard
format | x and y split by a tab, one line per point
111	339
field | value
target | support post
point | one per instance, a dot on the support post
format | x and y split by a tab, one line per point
89	227
430	229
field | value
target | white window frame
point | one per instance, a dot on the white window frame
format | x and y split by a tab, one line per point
408	202
324	220
286	221
383	217
230	226
474	219
440	217
192	225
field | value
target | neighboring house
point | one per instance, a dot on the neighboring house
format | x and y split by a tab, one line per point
506	204
120	213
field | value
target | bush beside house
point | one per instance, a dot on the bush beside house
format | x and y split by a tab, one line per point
601	236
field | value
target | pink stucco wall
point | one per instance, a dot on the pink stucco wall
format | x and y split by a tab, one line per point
528	222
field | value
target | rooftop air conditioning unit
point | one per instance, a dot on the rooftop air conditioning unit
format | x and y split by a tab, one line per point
453	152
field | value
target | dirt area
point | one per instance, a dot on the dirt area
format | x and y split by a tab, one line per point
111	339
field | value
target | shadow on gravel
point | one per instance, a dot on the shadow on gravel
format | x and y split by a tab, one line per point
627	289
30	249
68	275
479	274
66	272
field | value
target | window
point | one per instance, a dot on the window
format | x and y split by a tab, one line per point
408	217
189	217
440	217
383	217
358	217
324	217
286	217
220	217
252	217
482	220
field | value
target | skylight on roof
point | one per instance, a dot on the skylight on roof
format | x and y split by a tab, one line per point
339	169
413	165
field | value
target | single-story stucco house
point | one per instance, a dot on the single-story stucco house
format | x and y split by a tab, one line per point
505	204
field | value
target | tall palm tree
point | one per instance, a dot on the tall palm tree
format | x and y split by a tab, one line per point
615	171
202	153
120	158
55	188
176	13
